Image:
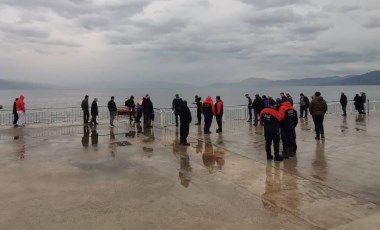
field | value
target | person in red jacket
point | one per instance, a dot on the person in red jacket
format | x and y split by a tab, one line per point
219	113
20	108
208	112
270	118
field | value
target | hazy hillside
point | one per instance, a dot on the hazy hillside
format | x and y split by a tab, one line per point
5	84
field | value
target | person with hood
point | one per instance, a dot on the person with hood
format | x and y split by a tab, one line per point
177	101
85	108
148	111
343	103
208	113
15	115
198	103
358	102
132	107
94	111
288	132
20	108
249	107
185	120
271	118
318	109
257	105
113	110
219	113
304	105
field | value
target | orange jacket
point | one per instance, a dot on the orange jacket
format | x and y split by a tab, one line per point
209	101
219	108
20	105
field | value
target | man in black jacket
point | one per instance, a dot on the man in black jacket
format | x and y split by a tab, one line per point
177	101
15	115
132	106
113	110
343	103
94	111
85	108
148	111
257	105
249	107
185	119
198	103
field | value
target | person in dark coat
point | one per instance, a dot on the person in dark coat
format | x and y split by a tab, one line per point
185	120
343	103
177	101
94	111
318	109
198	103
15	115
219	113
148	111
113	110
359	104
304	105
85	107
287	125
132	108
257	105
208	110
249	107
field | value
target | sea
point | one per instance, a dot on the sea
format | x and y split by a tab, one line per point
162	98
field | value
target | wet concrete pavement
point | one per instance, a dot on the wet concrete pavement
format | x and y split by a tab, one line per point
128	178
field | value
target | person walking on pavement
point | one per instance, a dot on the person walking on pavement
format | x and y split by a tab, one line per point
94	111
177	101
15	115
249	107
185	120
318	109
343	103
132	108
219	113
208	113
20	108
113	110
304	105
257	105
198	103
85	108
270	118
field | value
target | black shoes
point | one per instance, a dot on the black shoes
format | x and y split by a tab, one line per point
323	137
197	123
207	132
218	130
185	143
278	158
270	157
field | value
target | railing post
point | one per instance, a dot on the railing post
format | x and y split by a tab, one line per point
161	118
242	113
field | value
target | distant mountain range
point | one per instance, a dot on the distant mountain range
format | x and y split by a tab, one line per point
371	78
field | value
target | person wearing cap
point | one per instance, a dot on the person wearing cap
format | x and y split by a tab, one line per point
318	109
148	111
85	109
249	107
208	113
257	105
94	111
198	103
271	118
219	113
177	101
113	110
132	107
185	120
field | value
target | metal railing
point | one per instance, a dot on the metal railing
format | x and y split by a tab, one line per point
163	116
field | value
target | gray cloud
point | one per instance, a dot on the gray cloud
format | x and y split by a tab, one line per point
342	8
23	31
274	18
274	3
373	23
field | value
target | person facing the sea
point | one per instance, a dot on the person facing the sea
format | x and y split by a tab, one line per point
304	105
85	108
208	113
177	101
94	111
257	105
359	104
113	110
15	115
249	107
219	113
20	108
148	111
343	103
185	120
198	103
318	109
132	108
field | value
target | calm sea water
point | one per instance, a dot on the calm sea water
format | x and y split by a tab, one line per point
162	98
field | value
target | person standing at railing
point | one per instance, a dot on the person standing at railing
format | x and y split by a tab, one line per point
15	115
208	113
113	110
343	103
85	108
219	113
148	111
359	104
318	109
249	107
185	119
257	105
304	105
177	101
94	111
198	103
20	107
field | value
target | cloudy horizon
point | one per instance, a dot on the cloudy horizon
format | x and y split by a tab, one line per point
195	42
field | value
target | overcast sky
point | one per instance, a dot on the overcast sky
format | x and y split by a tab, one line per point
192	41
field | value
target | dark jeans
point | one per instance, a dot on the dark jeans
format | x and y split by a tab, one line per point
250	113
288	141
139	115
208	121
318	123
184	132
132	115
147	120
219	122
199	115
256	113
344	107
15	118
303	108
272	134
86	116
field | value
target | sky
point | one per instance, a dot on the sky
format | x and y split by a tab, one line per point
196	42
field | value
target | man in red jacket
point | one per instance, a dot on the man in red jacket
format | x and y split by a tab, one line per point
208	112
20	108
219	113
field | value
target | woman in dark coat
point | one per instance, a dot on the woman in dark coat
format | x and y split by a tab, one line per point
358	102
148	111
94	111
